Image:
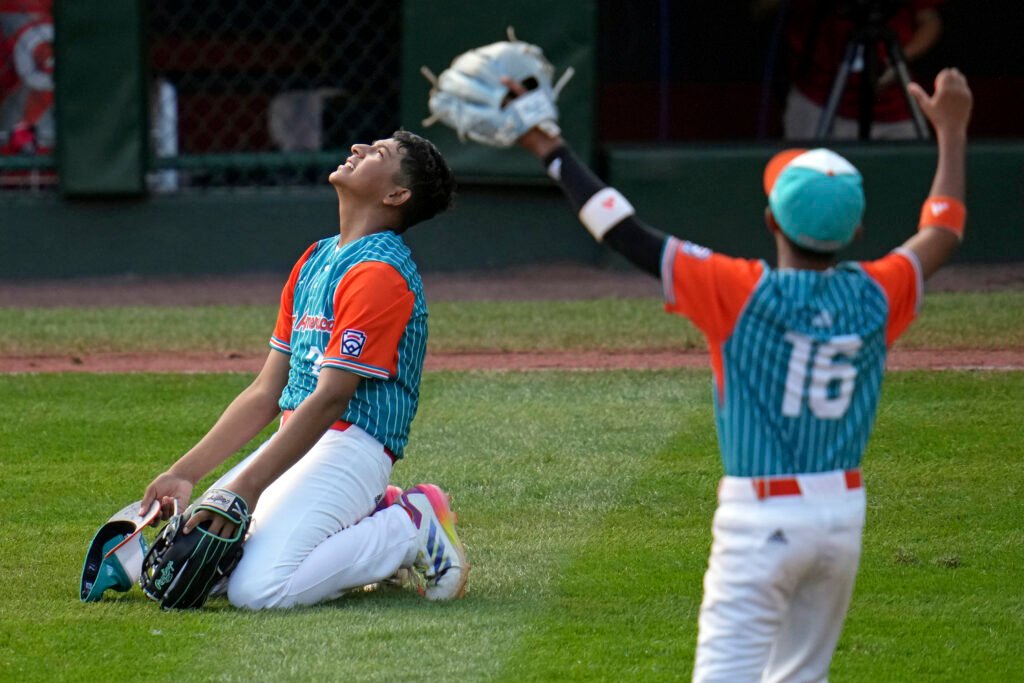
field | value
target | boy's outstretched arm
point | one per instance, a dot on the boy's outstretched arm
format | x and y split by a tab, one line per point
604	212
943	214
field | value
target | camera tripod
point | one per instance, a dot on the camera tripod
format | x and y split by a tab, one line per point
869	32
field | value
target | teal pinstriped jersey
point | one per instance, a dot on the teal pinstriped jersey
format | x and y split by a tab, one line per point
798	355
803	373
385	402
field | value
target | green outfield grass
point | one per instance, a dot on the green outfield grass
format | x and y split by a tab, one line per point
966	320
585	500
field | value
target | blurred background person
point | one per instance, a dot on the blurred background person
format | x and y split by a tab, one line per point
817	33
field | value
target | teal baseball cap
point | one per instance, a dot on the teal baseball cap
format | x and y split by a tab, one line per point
115	555
816	197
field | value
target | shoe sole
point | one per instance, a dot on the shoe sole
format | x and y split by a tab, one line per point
446	516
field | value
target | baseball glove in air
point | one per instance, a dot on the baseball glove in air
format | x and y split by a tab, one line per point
470	97
180	569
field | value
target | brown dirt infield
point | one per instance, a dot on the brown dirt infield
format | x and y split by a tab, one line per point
899	359
548	282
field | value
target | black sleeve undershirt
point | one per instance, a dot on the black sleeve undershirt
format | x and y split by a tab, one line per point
641	244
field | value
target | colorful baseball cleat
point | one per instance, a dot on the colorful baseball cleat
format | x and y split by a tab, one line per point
441	558
391	495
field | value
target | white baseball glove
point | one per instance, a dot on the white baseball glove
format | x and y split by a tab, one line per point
470	96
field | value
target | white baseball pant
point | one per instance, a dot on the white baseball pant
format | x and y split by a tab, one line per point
310	538
779	581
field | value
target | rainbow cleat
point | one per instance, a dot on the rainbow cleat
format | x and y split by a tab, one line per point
391	495
441	558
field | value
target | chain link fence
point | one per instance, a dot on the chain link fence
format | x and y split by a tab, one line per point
255	93
268	92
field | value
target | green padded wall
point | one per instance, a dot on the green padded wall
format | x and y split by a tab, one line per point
714	196
435	31
216	232
101	105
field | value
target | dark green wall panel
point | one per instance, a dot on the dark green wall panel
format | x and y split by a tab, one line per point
711	196
714	196
101	102
224	233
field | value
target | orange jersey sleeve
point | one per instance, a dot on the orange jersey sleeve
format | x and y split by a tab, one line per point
372	306
708	288
899	276
282	336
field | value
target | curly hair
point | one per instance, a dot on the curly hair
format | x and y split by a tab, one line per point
426	174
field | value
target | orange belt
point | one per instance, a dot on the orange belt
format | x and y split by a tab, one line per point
769	487
339	426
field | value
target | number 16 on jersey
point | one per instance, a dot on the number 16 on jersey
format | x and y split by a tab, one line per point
832	375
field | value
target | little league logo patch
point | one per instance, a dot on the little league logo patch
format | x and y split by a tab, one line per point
352	342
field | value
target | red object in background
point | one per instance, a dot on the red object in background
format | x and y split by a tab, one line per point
26	77
826	36
21	140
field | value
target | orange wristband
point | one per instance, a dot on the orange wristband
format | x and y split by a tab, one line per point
947	213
